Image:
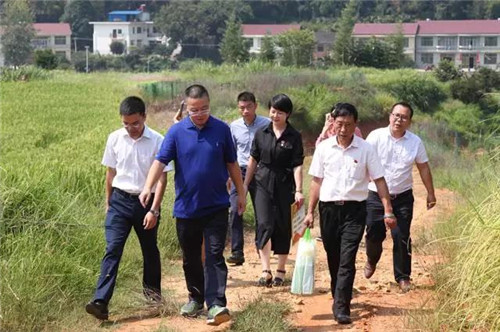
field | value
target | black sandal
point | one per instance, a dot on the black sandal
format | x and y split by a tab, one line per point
266	282
279	281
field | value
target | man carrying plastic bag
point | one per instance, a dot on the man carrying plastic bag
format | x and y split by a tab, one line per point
303	274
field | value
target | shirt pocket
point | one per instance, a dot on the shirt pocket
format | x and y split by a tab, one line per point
357	170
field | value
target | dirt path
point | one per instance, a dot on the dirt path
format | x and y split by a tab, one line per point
378	305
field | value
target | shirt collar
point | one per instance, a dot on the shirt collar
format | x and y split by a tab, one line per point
405	136
146	133
189	124
251	124
354	143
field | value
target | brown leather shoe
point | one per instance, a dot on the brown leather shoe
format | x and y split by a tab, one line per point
369	270
404	285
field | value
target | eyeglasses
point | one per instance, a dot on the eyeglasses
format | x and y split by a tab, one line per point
400	117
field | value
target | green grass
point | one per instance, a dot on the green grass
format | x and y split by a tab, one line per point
262	315
52	238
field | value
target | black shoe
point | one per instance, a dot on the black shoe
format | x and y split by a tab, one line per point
266	281
279	281
98	309
369	270
236	259
342	319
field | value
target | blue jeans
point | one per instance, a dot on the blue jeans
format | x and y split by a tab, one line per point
402	206
126	212
235	220
205	282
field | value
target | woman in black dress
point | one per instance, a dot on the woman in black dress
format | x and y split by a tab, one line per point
276	160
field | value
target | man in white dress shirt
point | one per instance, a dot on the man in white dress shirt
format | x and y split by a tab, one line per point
129	153
398	149
342	166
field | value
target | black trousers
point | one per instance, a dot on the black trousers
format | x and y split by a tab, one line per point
126	212
402	206
342	228
205	282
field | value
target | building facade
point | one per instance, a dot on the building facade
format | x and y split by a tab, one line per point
52	36
132	28
257	32
467	43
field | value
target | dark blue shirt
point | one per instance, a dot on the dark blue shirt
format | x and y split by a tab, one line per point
200	158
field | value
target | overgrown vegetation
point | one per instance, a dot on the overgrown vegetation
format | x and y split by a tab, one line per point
251	318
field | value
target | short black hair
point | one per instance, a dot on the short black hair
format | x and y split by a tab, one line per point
196	91
405	105
132	105
344	109
246	96
282	103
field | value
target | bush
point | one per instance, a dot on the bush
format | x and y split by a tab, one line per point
464	119
45	59
420	90
117	47
446	71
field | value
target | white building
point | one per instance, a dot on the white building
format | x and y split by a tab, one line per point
133	28
257	32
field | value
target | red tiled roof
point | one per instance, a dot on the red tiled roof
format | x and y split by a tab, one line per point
52	29
263	29
459	27
375	29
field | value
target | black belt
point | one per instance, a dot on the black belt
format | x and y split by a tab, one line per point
404	193
342	202
125	194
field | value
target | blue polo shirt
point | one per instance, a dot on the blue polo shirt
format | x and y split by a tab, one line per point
200	158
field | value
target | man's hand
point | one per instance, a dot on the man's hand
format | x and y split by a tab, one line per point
431	201
144	197
391	222
309	220
299	199
242	204
149	220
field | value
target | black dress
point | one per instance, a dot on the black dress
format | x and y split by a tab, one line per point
275	185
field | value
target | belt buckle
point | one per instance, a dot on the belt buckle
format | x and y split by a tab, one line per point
339	202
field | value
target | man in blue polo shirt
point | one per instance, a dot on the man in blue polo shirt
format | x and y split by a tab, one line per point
203	151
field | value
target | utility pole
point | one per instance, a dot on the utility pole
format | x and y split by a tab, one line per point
87	59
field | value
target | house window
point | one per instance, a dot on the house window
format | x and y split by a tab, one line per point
40	43
469	42
119	31
427	58
447	43
61	53
139	30
426	41
406	42
490	41
320	48
449	57
139	43
132	43
490	58
60	40
133	30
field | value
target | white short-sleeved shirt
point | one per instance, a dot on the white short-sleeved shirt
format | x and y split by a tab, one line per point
132	158
345	172
397	156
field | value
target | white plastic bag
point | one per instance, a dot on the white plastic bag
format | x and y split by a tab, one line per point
303	273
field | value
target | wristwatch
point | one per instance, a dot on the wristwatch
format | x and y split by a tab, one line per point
155	213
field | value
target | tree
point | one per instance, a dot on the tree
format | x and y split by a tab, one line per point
234	48
267	51
396	43
78	13
446	71
18	32
342	49
297	47
199	25
117	47
45	59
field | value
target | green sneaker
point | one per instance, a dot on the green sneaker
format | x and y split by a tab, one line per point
217	315
191	309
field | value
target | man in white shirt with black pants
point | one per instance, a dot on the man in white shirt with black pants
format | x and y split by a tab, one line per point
342	166
398	149
129	153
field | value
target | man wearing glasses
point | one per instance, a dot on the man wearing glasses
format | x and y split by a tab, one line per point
129	153
398	149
